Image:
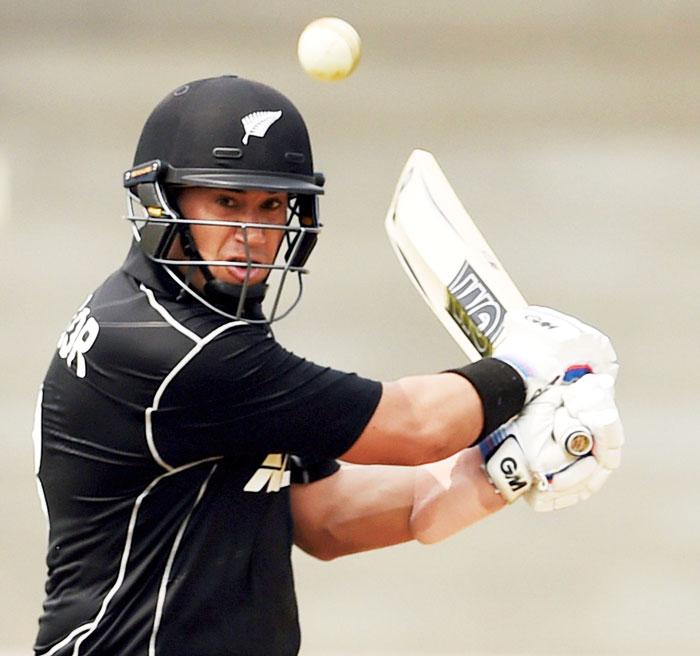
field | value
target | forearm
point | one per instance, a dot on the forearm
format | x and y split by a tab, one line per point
450	495
359	508
420	419
368	507
445	413
423	419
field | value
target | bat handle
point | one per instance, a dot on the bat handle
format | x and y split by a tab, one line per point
577	440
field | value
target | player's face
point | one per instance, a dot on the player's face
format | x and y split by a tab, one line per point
236	244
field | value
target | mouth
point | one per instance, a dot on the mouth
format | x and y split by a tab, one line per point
240	270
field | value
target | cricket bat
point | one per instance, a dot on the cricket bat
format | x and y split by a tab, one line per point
453	267
448	259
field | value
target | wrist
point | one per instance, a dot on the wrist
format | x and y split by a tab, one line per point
500	388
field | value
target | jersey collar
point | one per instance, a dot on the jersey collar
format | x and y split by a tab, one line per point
153	275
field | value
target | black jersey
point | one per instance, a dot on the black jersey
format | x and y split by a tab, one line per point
167	437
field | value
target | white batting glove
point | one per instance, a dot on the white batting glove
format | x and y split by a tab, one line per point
532	456
547	347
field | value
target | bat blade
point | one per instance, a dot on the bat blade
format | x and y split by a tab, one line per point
448	259
455	270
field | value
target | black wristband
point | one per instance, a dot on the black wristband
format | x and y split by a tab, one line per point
500	388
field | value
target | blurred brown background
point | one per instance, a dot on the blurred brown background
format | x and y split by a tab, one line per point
569	130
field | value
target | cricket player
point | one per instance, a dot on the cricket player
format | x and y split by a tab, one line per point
181	451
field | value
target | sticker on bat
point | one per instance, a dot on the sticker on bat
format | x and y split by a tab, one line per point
477	312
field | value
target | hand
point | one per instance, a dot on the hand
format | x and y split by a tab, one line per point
589	402
547	347
529	456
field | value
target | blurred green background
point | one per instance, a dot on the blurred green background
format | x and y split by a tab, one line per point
570	130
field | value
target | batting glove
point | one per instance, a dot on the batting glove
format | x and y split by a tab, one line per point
545	454
547	347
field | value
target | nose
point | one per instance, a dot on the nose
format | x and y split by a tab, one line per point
252	235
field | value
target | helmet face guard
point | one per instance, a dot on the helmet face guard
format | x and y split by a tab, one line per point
225	133
157	225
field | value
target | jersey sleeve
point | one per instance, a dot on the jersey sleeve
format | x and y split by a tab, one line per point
244	395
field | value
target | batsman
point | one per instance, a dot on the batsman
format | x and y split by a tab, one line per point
181	451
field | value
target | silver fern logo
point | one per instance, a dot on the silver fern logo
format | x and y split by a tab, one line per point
258	123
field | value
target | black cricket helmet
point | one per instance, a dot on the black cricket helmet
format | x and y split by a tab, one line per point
230	133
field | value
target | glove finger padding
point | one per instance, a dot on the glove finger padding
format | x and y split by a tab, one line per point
537	418
567	486
565	479
591	401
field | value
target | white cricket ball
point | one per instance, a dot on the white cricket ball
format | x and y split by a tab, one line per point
329	49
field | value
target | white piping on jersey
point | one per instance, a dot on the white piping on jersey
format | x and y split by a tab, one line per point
36	438
36	431
200	343
87	629
194	294
167	316
68	638
168	567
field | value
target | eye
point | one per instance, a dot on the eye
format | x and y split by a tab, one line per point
273	203
227	201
